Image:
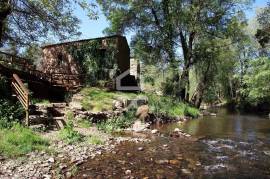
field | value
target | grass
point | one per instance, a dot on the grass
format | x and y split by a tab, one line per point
40	101
118	123
95	140
18	141
83	123
68	134
168	106
96	99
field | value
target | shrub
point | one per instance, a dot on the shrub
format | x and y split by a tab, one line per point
118	123
19	140
68	134
83	123
10	113
95	140
169	106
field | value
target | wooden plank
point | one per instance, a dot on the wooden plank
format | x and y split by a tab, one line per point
19	91
18	80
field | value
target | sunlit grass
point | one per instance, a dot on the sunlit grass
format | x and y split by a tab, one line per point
20	140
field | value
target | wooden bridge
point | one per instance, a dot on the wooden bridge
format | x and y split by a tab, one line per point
18	70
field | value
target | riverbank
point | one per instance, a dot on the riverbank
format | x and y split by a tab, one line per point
62	160
93	117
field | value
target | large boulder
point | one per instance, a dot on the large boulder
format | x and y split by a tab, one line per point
143	112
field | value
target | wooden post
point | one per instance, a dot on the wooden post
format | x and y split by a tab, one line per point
27	112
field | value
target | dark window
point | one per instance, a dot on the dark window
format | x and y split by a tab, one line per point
60	59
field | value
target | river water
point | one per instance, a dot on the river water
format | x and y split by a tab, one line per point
229	145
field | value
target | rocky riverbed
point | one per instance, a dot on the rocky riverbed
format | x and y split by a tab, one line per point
61	161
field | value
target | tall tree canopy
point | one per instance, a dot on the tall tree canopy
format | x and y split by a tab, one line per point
263	33
163	27
26	21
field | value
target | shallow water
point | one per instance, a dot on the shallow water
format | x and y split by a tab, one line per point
229	145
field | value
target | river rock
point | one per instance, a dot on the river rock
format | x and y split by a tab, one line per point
174	162
185	171
154	131
266	153
140	148
213	114
139	126
161	162
143	112
51	160
128	172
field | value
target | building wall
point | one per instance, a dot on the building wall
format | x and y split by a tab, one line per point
57	60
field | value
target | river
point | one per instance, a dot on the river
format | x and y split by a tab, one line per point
229	145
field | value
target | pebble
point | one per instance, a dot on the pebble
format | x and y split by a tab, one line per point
177	130
162	162
154	131
128	172
185	171
174	162
51	160
140	148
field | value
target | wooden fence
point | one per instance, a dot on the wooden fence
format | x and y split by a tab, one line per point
22	94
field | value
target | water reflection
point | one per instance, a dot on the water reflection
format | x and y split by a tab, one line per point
249	127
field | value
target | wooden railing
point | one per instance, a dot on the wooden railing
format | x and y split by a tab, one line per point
56	79
22	94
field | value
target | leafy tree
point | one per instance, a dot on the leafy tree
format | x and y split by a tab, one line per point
26	21
257	81
164	27
263	33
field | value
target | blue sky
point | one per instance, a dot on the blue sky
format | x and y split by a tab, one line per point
94	28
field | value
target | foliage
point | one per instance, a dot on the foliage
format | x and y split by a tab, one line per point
263	33
19	140
25	21
118	123
40	101
95	140
10	113
84	123
97	63
257	81
96	99
171	107
68	134
162	28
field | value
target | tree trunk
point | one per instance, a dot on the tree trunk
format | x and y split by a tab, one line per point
5	10
197	98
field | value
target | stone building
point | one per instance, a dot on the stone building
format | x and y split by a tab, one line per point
60	62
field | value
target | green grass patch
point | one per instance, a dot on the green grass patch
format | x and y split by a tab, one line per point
40	101
68	134
19	140
118	123
83	123
95	140
169	106
96	99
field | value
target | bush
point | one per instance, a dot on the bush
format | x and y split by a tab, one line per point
95	140
118	123
68	134
10	113
19	140
168	106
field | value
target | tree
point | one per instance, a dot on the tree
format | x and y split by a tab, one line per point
26	21
166	26
263	33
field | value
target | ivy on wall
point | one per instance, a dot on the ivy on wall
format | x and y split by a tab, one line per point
98	63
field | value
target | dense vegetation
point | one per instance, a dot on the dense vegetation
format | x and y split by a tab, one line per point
203	51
